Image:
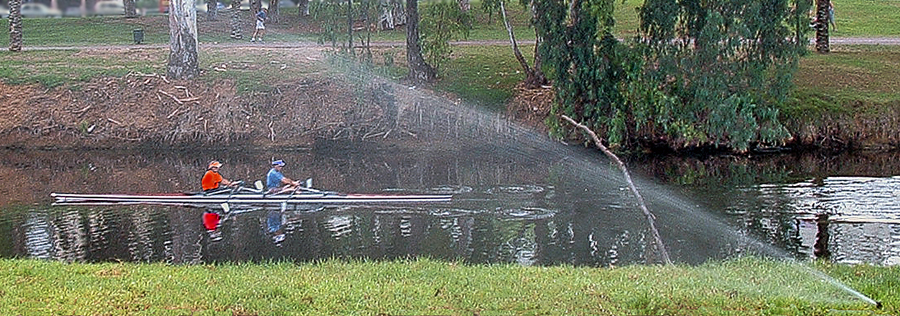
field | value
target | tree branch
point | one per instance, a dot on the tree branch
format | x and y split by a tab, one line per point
650	218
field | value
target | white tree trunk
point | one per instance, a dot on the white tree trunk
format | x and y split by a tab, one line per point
393	13
183	62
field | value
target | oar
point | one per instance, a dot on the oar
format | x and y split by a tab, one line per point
297	188
284	203
225	206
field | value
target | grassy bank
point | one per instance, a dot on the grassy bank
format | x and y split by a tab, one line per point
424	287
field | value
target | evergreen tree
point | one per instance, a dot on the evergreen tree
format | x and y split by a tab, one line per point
699	73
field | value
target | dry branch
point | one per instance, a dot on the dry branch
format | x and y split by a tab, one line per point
171	96
650	218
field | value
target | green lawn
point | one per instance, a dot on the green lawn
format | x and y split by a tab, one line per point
425	287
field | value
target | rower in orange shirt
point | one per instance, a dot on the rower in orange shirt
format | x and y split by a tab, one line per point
212	179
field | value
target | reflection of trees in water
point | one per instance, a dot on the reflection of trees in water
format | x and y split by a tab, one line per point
764	196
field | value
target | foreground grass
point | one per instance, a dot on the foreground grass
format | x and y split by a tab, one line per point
425	287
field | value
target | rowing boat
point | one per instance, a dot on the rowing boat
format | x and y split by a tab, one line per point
247	196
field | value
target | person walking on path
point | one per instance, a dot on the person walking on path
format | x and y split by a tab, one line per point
831	15
260	26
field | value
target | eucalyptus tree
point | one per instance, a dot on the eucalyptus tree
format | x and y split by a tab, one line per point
419	70
15	25
183	55
534	76
699	72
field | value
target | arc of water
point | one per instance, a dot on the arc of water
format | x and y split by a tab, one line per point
660	246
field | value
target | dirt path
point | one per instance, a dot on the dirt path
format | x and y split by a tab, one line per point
244	43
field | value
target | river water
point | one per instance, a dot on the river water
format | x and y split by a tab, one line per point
567	205
518	197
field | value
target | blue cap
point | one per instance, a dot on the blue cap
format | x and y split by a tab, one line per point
278	163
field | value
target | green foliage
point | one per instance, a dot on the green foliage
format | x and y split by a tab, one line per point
331	16
700	73
441	22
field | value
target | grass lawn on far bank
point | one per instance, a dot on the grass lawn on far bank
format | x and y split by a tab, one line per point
424	287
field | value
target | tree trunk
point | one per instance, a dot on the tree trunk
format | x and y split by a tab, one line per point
236	31
464	5
255	6
272	16
183	62
212	10
392	14
821	26
15	25
303	8
130	9
350	27
419	70
534	77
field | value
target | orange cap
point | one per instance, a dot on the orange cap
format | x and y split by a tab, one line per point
214	163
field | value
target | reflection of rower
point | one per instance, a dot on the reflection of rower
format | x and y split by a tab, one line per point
211	220
275	226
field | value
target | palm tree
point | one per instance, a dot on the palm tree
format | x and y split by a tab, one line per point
15	25
236	32
821	26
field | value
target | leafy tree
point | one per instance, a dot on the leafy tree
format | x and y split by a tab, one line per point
183	61
336	19
440	23
700	72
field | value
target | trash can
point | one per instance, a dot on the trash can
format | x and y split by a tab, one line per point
138	36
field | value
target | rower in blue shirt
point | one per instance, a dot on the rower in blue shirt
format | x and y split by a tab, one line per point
276	182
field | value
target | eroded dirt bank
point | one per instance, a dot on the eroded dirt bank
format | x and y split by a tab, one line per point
141	109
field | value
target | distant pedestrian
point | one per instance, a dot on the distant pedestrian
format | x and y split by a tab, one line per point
831	15
260	26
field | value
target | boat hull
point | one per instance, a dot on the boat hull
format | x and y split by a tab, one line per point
312	198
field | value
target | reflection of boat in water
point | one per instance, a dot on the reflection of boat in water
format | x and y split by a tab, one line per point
247	197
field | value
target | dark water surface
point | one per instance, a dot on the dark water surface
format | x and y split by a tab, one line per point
509	207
